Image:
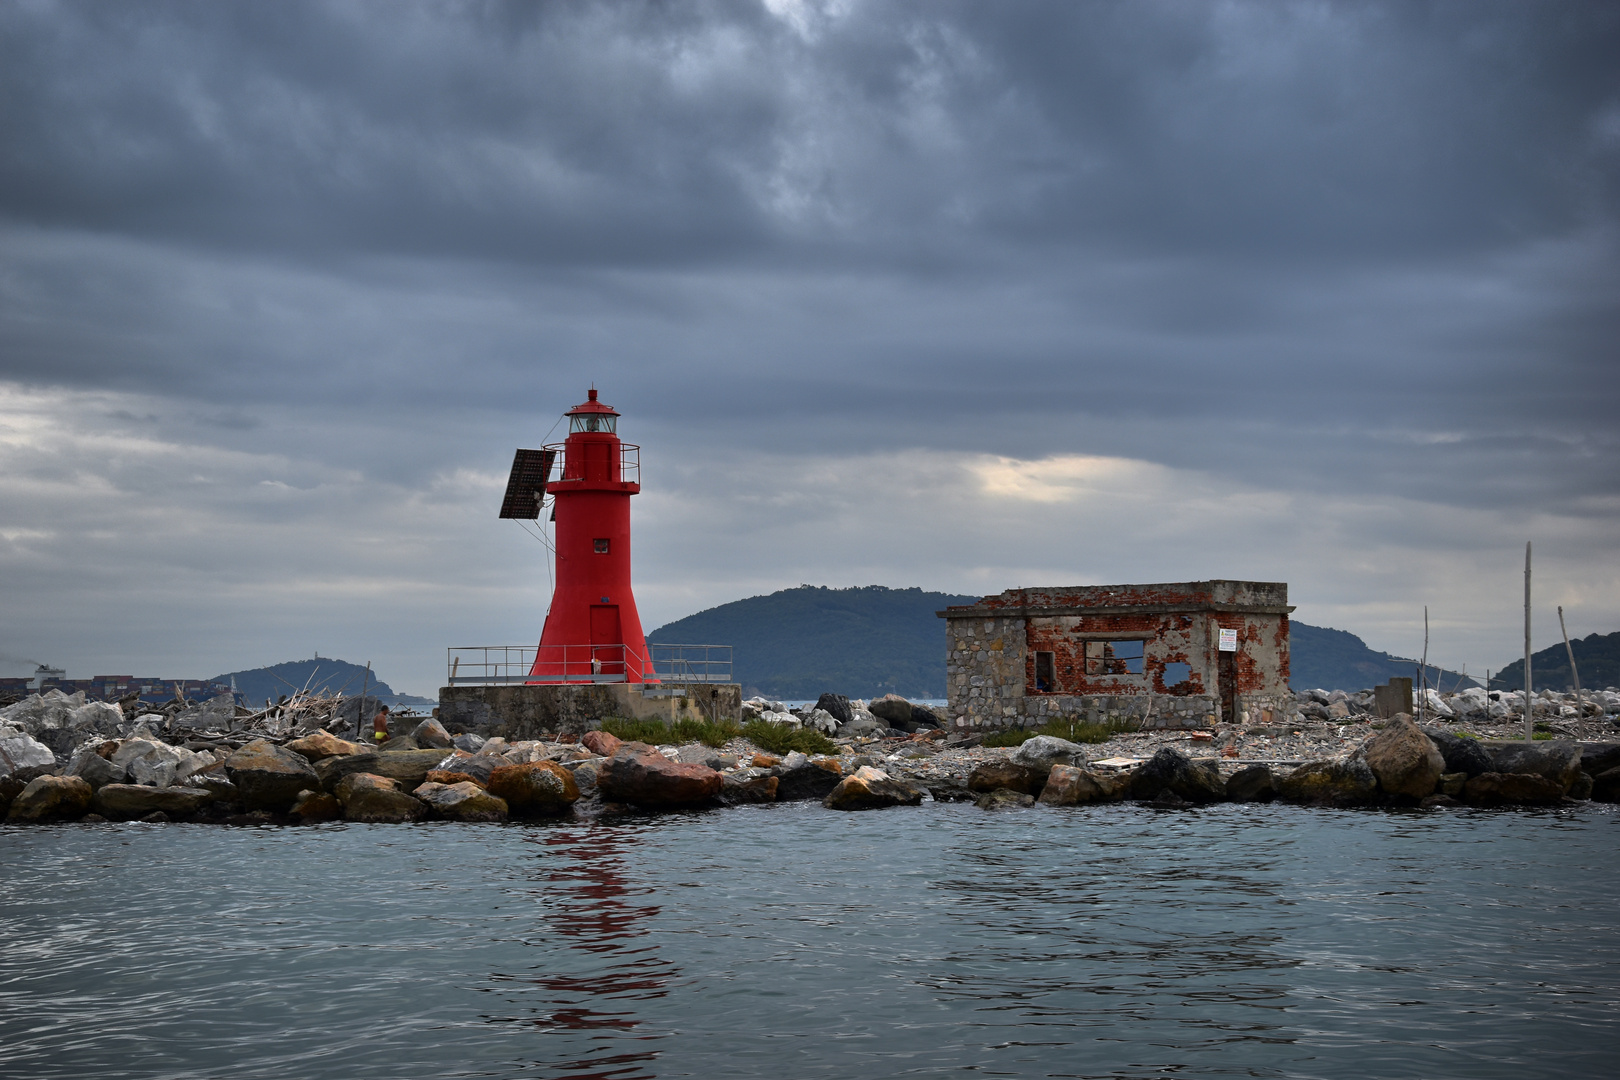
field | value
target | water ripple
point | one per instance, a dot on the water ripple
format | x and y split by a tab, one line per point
1108	942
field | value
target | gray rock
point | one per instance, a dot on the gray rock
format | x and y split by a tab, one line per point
1003	799
24	756
821	720
431	733
799	778
1171	770
1451	784
1555	759
836	706
1254	783
1496	789
894	711
269	777
1606	786
469	742
1342	781
132	802
96	770
1461	755
1405	761
1044	751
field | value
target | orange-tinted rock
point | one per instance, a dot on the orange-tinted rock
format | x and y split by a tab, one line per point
871	789
535	787
766	761
601	743
322	744
368	797
651	779
446	776
313	806
50	798
465	801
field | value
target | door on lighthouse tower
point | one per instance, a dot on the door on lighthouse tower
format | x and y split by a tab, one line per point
607	641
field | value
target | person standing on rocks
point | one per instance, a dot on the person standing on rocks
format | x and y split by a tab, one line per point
379	726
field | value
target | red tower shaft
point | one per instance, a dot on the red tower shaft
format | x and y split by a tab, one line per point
593	632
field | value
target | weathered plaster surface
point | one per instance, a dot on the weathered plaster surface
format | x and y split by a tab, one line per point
992	646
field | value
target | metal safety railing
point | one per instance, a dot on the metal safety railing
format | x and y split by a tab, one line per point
493	665
629	470
692	663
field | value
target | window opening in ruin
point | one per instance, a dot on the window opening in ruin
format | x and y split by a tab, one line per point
1176	673
601	547
1044	680
1114	657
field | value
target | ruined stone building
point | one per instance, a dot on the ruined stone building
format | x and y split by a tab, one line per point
1182	655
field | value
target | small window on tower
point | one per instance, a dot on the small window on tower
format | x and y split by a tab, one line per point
601	547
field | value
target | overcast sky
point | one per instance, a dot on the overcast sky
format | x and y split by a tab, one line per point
968	296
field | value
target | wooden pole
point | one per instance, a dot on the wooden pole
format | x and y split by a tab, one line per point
1529	706
360	713
1574	674
1423	669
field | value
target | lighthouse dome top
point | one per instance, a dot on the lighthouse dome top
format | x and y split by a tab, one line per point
592	415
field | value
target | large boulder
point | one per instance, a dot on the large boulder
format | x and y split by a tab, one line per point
1496	789
820	720
1461	755
96	768
480	766
154	762
131	802
1599	757
1557	760
1072	785
23	756
1403	758
1606	786
892	710
465	801
652	780
736	788
430	733
601	743
269	777
836	706
535	787
871	789
332	770
1045	751
1003	799
369	797
1171	770
410	767
1255	783
998	773
800	777
314	806
1340	781
50	798
321	745
62	721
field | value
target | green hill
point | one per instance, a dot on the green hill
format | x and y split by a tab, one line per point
1322	658
322	673
866	642
798	643
1597	657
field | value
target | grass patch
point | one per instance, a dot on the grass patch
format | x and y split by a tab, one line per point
657	733
1542	735
1076	731
781	739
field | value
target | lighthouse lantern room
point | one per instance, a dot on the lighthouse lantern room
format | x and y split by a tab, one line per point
592	632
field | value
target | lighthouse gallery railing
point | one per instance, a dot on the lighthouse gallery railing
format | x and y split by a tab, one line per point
488	665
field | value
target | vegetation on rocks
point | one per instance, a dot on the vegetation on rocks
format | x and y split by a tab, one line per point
778	739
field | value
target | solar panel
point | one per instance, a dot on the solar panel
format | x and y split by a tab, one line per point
527	484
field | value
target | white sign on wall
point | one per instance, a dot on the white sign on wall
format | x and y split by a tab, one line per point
1228	640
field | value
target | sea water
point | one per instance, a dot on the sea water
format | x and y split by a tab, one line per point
789	941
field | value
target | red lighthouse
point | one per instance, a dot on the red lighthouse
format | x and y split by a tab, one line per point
592	632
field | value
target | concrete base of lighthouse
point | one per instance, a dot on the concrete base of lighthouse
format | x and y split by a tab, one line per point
521	711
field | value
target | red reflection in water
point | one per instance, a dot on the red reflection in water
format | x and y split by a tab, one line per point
587	903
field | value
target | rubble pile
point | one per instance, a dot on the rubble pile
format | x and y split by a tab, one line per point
65	759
